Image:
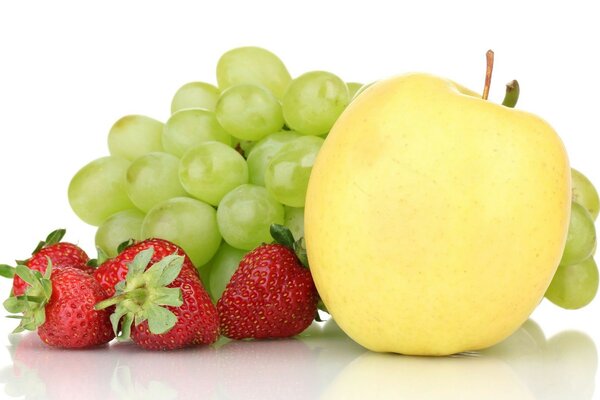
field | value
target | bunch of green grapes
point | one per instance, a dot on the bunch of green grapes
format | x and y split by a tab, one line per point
575	282
230	160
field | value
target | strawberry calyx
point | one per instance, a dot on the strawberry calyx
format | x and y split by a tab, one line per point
7	271
53	237
32	305
282	235
143	295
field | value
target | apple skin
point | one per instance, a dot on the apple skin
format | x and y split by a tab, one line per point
435	220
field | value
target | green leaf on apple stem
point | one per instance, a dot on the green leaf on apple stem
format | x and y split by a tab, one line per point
512	94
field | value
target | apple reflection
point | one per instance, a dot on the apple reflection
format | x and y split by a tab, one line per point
524	366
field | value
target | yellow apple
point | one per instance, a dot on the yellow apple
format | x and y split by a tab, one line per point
435	220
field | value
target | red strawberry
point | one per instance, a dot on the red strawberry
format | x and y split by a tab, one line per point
60	305
163	305
270	295
61	254
114	270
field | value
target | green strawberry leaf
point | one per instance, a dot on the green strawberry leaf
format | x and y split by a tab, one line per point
7	271
139	318
126	328
282	235
160	320
165	271
14	305
39	317
167	297
120	287
39	246
124	245
139	264
26	274
55	236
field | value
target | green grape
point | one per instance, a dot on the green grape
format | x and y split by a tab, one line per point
191	127
581	239
314	101
246	146
585	193
135	135
249	112
210	170
287	175
195	95
153	178
294	221
353	87
362	89
262	153
119	228
97	190
245	216
255	66
187	222
222	266
574	286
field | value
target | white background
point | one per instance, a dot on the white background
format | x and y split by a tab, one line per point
69	69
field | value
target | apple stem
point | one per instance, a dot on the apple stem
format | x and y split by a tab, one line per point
512	94
489	57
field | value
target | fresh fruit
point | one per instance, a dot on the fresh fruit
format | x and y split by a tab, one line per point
61	254
97	190
254	66
287	174
195	95
434	219
270	295
294	221
119	228
245	215
152	178
190	127
353	87
189	223
162	305
585	193
574	286
581	239
263	152
135	135
249	112
60	306
114	270
221	267
210	170
314	101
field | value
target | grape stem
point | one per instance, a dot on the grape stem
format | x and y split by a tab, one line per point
489	57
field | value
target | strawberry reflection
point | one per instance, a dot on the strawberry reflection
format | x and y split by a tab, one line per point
42	372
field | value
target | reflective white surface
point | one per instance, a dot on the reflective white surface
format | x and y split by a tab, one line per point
321	363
